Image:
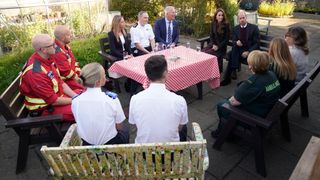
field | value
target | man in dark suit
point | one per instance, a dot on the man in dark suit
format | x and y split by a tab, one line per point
245	39
167	29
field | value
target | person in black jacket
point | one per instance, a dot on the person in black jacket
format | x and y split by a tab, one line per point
245	38
118	39
219	37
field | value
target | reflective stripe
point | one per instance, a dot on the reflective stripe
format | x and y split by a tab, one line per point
35	100
68	76
34	107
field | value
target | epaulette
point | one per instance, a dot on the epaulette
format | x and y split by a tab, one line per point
112	94
58	49
75	96
36	66
135	25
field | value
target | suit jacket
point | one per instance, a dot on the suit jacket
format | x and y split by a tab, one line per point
160	30
252	37
116	46
220	40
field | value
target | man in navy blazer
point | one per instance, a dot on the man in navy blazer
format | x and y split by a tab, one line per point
167	29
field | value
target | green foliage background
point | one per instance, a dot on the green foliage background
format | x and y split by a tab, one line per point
85	50
194	16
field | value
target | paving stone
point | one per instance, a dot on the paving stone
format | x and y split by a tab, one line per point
279	163
241	174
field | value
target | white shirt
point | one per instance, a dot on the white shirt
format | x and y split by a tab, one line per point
167	27
141	34
96	115
157	113
122	41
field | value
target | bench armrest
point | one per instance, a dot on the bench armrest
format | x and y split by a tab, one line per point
71	138
246	117
197	135
203	40
33	121
107	57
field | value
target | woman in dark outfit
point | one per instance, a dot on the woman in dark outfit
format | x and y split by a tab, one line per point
282	65
118	38
219	37
257	94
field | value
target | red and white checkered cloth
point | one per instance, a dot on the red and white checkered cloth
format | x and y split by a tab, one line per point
192	67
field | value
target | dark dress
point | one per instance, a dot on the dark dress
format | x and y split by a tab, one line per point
285	84
116	48
220	40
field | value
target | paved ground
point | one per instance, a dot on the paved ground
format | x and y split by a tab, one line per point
235	160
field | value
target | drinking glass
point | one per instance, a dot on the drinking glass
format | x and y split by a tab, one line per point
198	48
125	55
188	44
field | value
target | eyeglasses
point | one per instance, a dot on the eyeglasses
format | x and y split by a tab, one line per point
48	45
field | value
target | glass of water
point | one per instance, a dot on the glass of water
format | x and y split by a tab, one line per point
198	48
125	55
188	44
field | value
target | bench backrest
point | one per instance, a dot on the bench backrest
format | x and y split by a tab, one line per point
265	42
104	45
11	102
127	161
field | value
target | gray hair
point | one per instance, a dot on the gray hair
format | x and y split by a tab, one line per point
242	12
90	74
168	9
141	13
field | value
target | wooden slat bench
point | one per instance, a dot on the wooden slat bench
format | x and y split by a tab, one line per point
260	126
31	130
128	161
308	167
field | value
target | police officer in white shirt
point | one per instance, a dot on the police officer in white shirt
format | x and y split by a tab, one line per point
159	115
142	36
99	115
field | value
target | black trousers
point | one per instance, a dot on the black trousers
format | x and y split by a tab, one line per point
235	60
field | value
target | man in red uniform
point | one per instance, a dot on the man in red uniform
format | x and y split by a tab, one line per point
64	58
45	93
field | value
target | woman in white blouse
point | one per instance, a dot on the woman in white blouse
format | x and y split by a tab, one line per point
99	115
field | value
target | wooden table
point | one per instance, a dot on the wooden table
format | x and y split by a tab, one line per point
308	167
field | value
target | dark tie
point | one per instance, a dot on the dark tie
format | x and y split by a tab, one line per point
169	33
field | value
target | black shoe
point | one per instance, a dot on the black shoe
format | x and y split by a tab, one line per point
215	133
225	82
234	75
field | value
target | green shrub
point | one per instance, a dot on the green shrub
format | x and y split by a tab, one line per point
276	8
85	50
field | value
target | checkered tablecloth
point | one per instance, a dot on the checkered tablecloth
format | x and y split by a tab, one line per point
191	68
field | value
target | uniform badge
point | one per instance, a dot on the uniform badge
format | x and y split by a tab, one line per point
50	75
111	94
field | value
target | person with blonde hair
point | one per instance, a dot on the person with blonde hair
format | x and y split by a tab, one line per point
118	38
297	40
98	114
282	65
257	94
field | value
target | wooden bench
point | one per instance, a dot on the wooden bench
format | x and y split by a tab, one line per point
128	161
31	130
308	167
260	126
253	18
264	42
108	59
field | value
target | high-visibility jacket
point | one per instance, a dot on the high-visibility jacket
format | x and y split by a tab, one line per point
66	62
40	83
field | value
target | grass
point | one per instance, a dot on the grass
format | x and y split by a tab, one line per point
276	9
85	50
